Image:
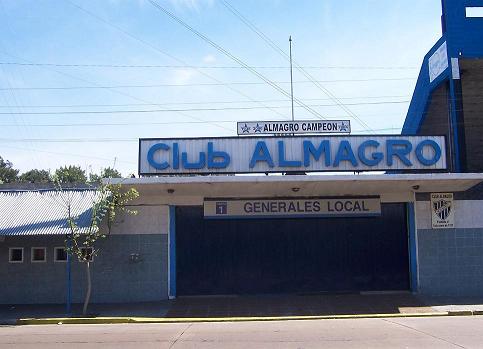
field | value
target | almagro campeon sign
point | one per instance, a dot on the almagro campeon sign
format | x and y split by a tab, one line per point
293	127
291	207
296	153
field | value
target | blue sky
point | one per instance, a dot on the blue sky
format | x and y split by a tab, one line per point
366	53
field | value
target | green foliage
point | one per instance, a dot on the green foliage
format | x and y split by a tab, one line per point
108	201
70	174
94	178
107	172
7	173
36	176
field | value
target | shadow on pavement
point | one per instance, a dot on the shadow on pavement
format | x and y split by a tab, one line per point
297	305
254	306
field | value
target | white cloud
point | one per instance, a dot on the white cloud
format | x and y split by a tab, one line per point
209	59
192	4
182	76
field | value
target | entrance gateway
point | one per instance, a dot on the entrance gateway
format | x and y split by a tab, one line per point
290	243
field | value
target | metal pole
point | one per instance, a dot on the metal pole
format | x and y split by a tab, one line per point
69	279
291	74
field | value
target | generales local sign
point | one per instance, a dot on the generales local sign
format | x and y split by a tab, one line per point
296	153
291	207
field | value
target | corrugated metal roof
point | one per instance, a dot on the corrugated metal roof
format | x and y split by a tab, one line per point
43	212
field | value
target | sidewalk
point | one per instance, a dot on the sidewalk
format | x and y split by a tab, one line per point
229	308
10	314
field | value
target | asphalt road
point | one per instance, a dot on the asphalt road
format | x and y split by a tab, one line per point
441	332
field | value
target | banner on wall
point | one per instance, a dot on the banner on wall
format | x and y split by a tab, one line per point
442	210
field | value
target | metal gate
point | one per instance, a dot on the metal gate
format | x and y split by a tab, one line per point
311	255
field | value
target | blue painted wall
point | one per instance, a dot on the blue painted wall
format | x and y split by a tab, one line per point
115	278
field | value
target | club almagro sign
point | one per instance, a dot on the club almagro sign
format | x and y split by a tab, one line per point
296	153
291	207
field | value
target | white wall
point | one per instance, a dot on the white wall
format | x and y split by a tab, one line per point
468	214
149	220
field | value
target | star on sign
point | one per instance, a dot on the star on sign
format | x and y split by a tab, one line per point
245	128
257	128
344	127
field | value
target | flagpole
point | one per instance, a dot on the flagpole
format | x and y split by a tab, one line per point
291	74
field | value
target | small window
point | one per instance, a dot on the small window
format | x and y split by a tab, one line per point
15	254
38	254
60	254
87	252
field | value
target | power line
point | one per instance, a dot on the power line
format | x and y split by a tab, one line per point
139	123
113	90
165	66
277	48
157	49
190	103
114	140
231	56
69	154
185	110
192	84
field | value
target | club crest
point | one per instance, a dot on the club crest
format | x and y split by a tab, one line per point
442	208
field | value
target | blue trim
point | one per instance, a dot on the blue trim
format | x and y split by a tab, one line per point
413	261
422	92
295	216
172	251
454	125
68	305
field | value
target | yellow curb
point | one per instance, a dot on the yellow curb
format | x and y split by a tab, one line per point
140	320
460	312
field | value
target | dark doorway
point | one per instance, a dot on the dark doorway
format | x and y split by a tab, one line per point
311	255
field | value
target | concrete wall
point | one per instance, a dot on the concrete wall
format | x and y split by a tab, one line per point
472	91
450	261
436	119
115	277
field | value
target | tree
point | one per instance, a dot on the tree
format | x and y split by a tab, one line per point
70	174
107	201
7	173
107	172
36	176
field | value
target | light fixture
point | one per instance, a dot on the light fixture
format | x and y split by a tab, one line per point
170	191
295	189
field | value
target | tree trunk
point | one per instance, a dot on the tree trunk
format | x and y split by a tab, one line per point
89	286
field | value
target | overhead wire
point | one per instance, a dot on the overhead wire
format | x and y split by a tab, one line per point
232	57
192	84
157	49
69	154
117	91
143	123
193	103
184	109
114	140
274	46
149	66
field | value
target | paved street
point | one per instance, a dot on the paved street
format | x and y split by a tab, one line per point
441	332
